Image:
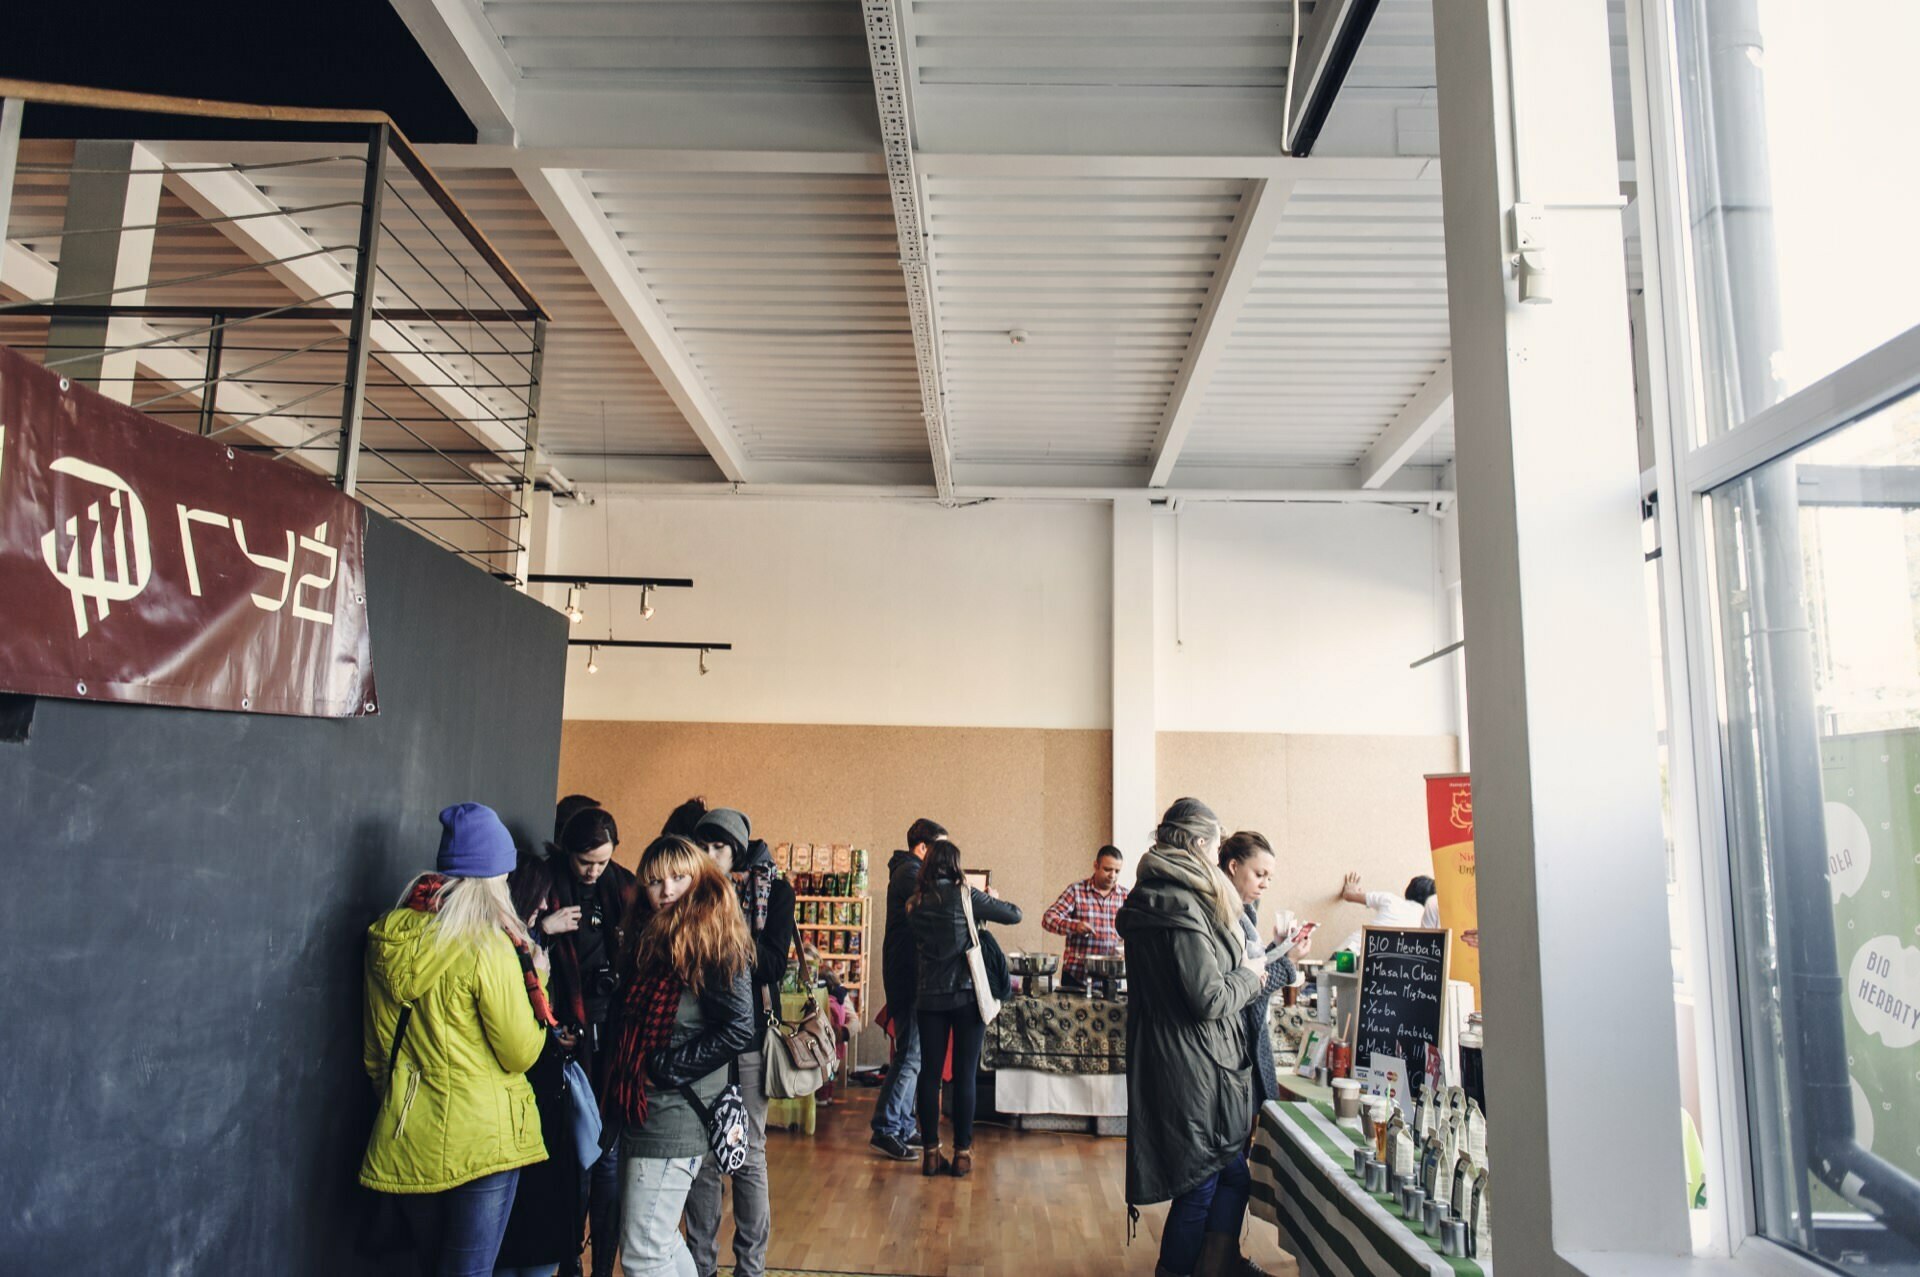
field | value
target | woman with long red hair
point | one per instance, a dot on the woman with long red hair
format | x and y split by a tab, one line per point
685	1013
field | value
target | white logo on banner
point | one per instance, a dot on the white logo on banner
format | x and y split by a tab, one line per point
1883	987
88	573
1849	851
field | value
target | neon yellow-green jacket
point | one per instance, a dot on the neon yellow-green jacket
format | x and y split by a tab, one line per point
458	1106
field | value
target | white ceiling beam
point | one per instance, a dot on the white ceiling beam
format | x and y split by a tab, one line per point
257	225
1240	261
1318	168
31	277
444	157
892	87
1416	423
467	53
831	118
581	224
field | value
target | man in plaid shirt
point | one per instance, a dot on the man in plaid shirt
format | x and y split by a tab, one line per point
1084	915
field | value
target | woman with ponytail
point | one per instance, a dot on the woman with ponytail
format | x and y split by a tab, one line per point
455	1014
1189	1067
684	1014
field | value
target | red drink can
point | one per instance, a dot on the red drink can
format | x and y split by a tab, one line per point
1339	1059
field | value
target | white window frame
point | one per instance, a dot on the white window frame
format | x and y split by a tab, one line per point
1685	471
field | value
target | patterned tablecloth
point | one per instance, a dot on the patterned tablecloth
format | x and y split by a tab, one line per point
1303	1182
1059	1033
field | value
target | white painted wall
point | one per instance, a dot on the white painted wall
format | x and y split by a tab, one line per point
870	612
1293	618
1301	619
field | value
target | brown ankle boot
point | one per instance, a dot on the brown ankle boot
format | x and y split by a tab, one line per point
933	1162
962	1163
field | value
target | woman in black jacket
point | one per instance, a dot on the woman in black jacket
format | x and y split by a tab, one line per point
943	1000
1247	861
1189	1071
685	1014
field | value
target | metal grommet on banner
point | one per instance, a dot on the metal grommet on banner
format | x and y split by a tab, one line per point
65	384
229	454
369	707
246	702
80	688
361	598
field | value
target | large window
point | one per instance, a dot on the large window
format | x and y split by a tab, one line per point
1816	567
1803	181
1790	314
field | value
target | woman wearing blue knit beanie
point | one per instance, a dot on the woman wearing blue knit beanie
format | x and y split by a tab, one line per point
456	1014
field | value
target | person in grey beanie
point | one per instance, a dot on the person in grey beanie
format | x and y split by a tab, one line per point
767	901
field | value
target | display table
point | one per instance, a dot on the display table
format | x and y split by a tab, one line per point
1303	1183
1026	1091
1066	1033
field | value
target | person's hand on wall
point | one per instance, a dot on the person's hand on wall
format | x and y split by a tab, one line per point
1350	890
561	921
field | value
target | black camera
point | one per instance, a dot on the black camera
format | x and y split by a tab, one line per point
604	982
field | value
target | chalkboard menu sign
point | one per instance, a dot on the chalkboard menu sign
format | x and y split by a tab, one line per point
1403	987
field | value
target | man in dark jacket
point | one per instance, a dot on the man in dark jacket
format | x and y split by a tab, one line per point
767	900
895	1131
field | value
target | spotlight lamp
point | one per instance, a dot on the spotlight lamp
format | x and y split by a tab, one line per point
646	605
703	661
593	661
572	610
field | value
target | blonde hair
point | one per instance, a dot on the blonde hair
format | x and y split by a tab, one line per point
703	932
468	910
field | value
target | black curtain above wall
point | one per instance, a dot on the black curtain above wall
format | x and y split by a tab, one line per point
182	924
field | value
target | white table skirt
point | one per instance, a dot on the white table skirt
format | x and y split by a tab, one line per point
1068	1094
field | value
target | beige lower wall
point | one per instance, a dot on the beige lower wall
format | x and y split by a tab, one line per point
1327	804
1030	805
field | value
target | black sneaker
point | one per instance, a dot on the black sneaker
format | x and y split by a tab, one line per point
914	1142
891	1146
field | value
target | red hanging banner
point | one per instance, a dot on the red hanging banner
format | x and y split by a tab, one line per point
141	563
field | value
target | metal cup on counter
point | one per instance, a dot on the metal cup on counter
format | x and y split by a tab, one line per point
1432	1211
1412	1198
1453	1237
1376	1177
1362	1158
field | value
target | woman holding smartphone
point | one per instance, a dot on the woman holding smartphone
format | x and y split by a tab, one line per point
1247	860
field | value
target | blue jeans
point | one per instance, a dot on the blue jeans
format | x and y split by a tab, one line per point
893	1111
1217	1204
459	1232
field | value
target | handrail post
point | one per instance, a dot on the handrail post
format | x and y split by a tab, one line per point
522	556
210	388
365	275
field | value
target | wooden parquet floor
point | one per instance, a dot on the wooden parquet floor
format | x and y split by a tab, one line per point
1037	1205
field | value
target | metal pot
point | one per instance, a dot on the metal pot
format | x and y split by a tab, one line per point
1033	963
1109	968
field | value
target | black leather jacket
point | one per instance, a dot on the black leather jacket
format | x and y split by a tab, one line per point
728	1028
940	943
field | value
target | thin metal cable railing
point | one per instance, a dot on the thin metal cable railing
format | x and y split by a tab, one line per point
322	300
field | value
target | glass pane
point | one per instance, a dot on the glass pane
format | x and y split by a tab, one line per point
1802	180
1816	560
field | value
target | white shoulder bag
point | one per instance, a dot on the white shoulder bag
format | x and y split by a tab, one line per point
977	962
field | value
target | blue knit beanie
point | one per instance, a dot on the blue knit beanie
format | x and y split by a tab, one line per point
473	843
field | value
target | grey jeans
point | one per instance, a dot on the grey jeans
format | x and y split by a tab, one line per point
752	1213
651	1192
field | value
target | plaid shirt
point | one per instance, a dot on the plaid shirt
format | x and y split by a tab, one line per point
1081	903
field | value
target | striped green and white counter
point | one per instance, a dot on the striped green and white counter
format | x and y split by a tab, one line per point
1303	1183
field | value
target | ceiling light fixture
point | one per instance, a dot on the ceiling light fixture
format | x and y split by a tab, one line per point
572	610
646	608
593	665
1018	336
703	661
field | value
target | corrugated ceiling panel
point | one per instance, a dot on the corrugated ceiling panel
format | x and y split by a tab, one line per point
1168	44
713	43
1106	276
785	290
1346	321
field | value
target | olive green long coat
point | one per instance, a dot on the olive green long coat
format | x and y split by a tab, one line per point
1189	1073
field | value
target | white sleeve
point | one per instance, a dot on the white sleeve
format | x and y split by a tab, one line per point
1380	901
1430	916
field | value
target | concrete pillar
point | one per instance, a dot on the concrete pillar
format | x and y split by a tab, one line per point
1134	799
114	185
1574	944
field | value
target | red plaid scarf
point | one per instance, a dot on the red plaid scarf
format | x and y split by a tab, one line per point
646	1025
425	898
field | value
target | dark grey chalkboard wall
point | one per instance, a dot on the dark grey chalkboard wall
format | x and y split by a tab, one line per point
186	893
